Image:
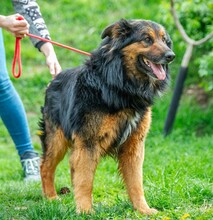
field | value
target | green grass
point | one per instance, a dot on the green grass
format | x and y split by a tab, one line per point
177	169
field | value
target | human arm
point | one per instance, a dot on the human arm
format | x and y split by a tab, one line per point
51	59
16	27
31	12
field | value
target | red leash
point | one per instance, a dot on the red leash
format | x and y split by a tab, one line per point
17	53
17	57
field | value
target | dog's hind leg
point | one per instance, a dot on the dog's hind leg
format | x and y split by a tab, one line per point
55	149
83	162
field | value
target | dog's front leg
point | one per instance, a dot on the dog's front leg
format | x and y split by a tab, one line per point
130	166
83	165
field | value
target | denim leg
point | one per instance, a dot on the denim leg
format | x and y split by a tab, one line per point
12	110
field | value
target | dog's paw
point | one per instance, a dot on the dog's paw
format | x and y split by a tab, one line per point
148	211
85	211
54	198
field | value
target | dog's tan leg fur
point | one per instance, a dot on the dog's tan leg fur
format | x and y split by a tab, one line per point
83	164
130	165
56	149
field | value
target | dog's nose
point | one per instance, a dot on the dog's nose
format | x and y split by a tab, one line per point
169	56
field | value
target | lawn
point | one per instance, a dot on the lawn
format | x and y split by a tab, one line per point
177	169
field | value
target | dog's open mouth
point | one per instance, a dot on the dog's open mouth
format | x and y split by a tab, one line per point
156	69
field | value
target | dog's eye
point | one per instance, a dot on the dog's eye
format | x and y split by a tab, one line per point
148	39
164	39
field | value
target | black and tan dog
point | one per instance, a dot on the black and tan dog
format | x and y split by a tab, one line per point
104	108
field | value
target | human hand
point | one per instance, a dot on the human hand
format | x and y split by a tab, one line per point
51	59
19	28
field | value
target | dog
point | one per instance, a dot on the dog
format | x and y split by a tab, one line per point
103	107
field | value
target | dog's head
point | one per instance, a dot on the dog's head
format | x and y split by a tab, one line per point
145	48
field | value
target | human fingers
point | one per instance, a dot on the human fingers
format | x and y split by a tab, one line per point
51	68
58	68
21	31
19	18
21	25
55	69
53	64
14	26
20	35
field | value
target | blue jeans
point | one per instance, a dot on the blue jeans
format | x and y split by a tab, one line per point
12	110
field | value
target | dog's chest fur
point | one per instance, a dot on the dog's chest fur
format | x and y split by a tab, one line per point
130	125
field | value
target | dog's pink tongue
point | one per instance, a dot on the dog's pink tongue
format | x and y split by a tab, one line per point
158	70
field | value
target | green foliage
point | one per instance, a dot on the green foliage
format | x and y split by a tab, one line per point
196	16
206	70
177	169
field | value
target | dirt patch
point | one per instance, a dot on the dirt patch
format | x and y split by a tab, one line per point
200	95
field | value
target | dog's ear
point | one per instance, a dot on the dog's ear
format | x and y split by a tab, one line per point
121	28
107	31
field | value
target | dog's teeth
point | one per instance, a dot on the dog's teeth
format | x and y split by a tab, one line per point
146	62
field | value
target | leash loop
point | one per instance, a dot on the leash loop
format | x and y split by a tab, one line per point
17	53
17	57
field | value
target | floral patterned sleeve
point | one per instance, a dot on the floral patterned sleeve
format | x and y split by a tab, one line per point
30	10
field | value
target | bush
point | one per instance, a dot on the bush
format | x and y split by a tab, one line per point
196	17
